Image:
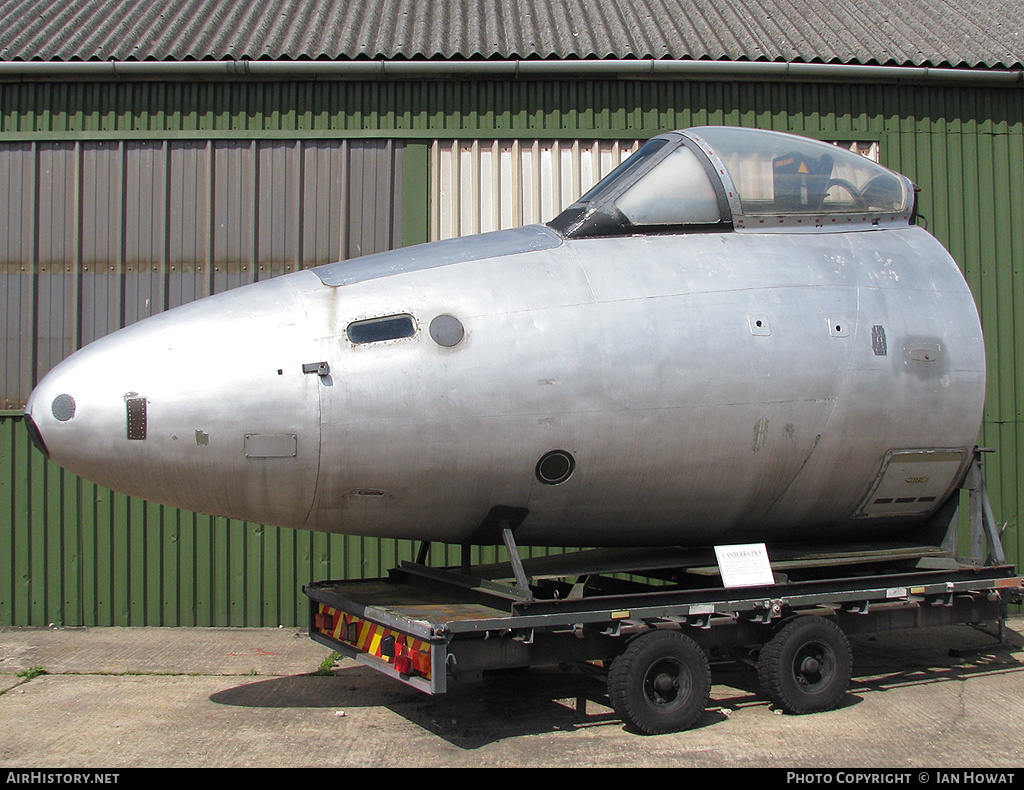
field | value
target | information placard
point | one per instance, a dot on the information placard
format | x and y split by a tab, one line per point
744	565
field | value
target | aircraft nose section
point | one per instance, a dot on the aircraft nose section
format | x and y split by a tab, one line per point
205	407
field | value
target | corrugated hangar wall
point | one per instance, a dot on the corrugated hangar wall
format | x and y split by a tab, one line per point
120	200
97	234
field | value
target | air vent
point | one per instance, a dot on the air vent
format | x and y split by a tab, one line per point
136	418
555	467
911	482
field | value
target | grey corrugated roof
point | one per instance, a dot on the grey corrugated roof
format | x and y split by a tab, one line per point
974	33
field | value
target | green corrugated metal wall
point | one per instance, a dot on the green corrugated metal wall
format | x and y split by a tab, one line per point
74	554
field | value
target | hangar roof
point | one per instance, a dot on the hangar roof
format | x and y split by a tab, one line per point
961	33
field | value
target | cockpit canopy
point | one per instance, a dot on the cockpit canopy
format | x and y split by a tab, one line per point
718	176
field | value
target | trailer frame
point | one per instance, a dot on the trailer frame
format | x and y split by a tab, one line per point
651	617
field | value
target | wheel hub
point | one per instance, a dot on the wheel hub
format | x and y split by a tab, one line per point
813	666
663	683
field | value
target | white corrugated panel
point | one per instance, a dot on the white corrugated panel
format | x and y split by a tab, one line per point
483	185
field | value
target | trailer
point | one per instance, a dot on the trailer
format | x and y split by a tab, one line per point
652	619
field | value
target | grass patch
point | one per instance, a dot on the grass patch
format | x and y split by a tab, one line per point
32	672
328	664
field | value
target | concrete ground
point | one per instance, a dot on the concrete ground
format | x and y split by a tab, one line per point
149	697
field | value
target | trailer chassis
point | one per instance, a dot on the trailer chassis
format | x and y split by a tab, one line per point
652	618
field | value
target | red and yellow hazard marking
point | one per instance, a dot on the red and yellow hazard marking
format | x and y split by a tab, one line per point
374	639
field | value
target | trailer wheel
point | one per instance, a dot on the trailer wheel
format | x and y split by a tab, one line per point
660	682
806	666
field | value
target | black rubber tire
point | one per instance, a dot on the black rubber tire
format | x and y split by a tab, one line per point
660	683
806	666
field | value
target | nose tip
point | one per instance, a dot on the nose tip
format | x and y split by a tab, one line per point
62	408
35	435
67	410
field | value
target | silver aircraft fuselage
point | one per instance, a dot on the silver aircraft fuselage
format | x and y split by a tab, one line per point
652	384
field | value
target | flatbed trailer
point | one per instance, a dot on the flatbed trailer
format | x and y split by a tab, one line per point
652	618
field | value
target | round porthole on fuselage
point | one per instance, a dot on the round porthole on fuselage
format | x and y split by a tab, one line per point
63	407
555	467
447	330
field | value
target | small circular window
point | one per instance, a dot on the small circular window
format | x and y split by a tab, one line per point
447	330
555	467
63	407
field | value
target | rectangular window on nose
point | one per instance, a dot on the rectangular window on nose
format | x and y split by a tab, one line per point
375	330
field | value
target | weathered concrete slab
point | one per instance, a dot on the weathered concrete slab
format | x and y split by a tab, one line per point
911	706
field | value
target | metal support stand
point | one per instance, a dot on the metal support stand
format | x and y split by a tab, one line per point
986	546
513	556
421	556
